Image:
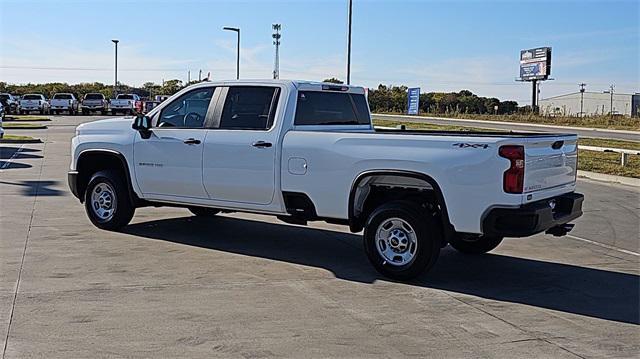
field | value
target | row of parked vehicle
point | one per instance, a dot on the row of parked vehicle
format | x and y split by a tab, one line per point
67	102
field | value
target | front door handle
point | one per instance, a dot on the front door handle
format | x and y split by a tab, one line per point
261	144
192	141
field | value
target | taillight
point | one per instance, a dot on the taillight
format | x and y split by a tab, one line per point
513	180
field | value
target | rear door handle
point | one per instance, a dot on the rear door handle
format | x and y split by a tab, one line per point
261	144
192	141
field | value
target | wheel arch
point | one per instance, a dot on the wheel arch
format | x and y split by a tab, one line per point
356	220
93	160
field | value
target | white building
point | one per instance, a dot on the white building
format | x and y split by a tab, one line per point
594	103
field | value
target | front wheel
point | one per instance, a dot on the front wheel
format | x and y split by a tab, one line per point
107	201
402	240
474	244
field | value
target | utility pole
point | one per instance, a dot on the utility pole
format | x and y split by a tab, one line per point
534	96
199	75
582	85
115	82
188	77
276	41
349	43
611	92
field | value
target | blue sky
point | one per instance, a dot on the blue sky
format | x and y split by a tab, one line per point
439	46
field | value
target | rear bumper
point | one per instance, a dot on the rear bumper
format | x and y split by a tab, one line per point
533	217
72	178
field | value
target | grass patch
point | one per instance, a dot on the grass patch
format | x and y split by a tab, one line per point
603	142
21	125
26	118
600	162
17	138
607	122
608	163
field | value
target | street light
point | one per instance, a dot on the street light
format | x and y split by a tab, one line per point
237	30
115	83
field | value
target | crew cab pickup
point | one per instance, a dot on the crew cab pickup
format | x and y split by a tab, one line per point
33	102
126	103
305	151
61	102
94	102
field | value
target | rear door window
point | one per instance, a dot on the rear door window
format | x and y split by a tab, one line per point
331	108
249	108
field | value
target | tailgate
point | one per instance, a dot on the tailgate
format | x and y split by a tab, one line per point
550	162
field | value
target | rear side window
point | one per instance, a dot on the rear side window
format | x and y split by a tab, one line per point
62	96
249	108
331	108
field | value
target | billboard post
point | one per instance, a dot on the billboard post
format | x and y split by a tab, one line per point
535	65
413	99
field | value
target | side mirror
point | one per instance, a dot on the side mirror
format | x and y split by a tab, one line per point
142	124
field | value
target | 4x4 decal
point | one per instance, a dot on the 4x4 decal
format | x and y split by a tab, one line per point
471	145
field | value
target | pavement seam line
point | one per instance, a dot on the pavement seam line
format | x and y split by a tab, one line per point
532	334
24	252
603	245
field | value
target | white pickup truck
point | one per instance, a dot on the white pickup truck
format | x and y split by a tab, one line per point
33	102
62	102
126	103
307	151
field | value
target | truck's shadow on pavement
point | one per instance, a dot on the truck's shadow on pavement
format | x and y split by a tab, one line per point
568	288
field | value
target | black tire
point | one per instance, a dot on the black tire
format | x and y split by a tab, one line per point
428	234
114	112
123	210
474	244
84	112
42	112
204	211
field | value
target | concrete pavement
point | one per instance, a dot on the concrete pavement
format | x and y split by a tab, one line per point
249	286
512	126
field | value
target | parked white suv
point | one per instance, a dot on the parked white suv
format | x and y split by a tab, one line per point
307	151
33	102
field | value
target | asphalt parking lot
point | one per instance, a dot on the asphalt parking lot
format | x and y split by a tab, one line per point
249	286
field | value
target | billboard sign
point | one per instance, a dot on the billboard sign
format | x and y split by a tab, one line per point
413	101
535	64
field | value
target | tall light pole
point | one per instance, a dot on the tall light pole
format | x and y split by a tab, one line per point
115	82
276	41
349	43
237	30
582	85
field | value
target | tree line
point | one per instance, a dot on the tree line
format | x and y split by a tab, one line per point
394	99
381	99
149	89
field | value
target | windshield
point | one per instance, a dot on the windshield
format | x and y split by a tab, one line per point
62	96
94	96
125	97
32	97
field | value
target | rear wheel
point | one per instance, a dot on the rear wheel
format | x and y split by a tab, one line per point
107	201
402	240
204	211
474	244
113	112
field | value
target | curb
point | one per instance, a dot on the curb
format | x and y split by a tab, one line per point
629	181
627	132
35	140
25	127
